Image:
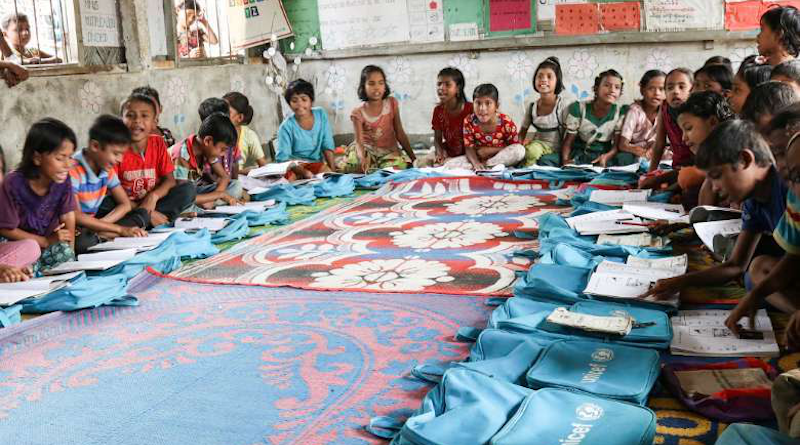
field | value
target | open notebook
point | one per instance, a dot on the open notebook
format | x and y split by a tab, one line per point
11	293
629	281
94	261
706	231
656	210
618	197
141	244
703	333
255	206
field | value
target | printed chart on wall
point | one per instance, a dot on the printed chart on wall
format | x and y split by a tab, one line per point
254	23
349	23
679	15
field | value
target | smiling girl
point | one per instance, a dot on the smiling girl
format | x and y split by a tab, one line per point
638	134
36	199
448	116
593	126
546	115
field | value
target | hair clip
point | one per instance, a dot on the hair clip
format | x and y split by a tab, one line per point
760	60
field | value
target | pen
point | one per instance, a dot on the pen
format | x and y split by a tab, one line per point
628	223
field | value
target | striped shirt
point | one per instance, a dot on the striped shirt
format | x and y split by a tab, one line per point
787	234
89	188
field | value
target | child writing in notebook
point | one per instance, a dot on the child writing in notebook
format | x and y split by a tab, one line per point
306	134
248	149
546	115
200	152
638	134
146	168
377	126
448	116
775	278
779	39
593	127
490	137
36	200
100	217
738	162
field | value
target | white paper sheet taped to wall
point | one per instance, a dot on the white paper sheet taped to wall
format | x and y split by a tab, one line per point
679	15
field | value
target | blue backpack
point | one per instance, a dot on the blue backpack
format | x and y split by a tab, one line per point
553	283
335	186
604	369
555	416
82	293
287	193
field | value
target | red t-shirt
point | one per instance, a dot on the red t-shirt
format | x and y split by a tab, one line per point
452	128
504	134
681	154
140	173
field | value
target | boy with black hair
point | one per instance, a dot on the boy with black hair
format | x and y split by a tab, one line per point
93	177
195	153
305	134
147	90
765	101
775	278
213	105
738	162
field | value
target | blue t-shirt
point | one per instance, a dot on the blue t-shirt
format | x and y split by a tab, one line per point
296	143
763	217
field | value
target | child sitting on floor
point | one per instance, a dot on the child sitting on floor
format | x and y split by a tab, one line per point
201	152
248	151
638	134
738	162
593	126
697	118
211	106
765	100
377	126
36	199
17	31
231	157
146	168
169	139
100	217
546	115
448	118
714	77
788	72
305	134
678	86
750	75
779	39
776	278
490	137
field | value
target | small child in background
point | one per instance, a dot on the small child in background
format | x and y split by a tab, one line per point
788	72
448	117
738	162
377	126
697	118
765	101
193	30
546	115
719	60
593	127
775	278
146	168
638	134
490	137
213	105
169	139
678	86
779	39
100	217
17	32
750	75
199	153
248	149
305	134
10	72
36	199
714	77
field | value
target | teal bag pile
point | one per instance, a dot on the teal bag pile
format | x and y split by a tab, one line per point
553	283
469	408
82	293
273	215
237	228
10	315
335	186
287	193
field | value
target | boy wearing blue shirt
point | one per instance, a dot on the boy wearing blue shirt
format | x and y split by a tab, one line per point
306	134
738	162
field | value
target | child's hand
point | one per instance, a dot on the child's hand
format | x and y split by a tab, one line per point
365	164
230	200
747	307
157	218
60	235
9	274
478	166
132	232
603	160
664	289
149	203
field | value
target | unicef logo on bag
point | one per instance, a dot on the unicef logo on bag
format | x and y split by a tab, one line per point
603	355
589	412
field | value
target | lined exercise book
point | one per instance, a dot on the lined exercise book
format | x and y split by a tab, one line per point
11	293
94	261
629	281
706	231
141	244
593	323
271	169
703	333
254	206
632	225
656	211
212	224
618	197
